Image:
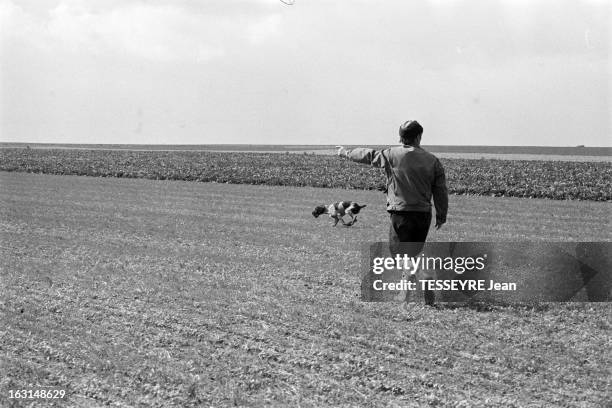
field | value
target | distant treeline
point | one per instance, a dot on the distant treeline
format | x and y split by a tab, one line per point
540	150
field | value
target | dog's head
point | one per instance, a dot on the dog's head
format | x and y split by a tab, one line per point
357	208
319	209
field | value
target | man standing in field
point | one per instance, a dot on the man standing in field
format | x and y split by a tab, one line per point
414	176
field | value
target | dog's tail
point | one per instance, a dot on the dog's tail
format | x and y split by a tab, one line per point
357	208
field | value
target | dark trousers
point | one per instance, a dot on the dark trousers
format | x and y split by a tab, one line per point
409	228
407	235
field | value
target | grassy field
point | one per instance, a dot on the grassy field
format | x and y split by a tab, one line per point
132	292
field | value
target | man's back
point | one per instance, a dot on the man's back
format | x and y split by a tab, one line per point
413	176
411	173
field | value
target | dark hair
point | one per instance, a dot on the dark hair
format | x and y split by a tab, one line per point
409	131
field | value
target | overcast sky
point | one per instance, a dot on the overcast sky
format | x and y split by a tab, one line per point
491	72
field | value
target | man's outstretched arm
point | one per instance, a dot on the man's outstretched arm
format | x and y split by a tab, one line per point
375	158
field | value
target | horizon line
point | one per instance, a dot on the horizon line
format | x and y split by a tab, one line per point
291	144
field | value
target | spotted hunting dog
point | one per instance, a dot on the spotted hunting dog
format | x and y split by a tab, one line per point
338	210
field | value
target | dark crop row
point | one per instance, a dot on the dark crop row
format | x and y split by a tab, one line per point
515	178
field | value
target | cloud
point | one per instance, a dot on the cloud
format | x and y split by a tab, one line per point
158	31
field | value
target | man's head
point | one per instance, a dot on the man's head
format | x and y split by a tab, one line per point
410	132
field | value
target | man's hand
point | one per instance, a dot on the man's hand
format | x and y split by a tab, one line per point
342	152
439	224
